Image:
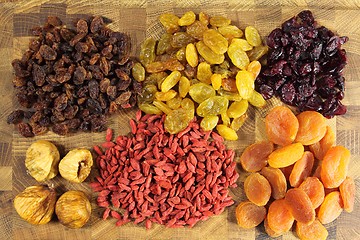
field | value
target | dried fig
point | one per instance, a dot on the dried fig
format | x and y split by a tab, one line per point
73	209
42	159
36	204
76	165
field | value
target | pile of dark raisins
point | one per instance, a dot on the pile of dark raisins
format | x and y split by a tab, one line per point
70	80
304	66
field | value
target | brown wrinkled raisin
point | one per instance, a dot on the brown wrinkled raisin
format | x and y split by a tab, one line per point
25	130
82	26
96	24
54	21
47	52
93	89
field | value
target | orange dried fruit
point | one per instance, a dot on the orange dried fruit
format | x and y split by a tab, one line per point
302	169
286	156
249	215
277	181
254	157
281	125
279	217
269	231
320	148
315	230
312	127
334	166
347	192
257	189
331	208
314	189
300	205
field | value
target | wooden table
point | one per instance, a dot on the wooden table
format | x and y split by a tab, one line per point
139	19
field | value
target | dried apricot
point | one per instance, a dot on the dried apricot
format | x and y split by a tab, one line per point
286	156
277	181
315	230
257	189
334	166
269	231
347	192
300	205
249	215
302	169
314	189
279	217
254	157
320	148
281	125
331	208
312	127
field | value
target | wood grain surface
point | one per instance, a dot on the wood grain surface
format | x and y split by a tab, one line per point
139	18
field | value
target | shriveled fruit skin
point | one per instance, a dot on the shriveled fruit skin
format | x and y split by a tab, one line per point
237	109
300	205
191	55
170	22
302	169
230	31
320	148
187	19
209	122
196	30
257	189
334	166
281	125
277	181
285	156
252	36
331	208
177	120
279	217
249	215
347	192
257	100
312	231
245	83
199	92
313	187
204	72
212	106
208	54
254	157
237	123
237	55
312	127
219	21
147	51
170	81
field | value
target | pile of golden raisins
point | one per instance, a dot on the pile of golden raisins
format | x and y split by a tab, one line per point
201	66
305	159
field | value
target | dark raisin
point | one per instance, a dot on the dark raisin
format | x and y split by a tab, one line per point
96	24
61	102
47	52
93	87
25	130
60	128
15	117
93	106
82	26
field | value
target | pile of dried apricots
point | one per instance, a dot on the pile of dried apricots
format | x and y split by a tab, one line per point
297	176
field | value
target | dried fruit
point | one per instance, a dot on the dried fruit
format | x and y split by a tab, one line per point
314	189
199	92
219	21
36	204
215	41
208	54
331	208
347	193
177	120
279	217
212	106
249	215
300	205
73	209
245	83
209	122
204	72
191	55
237	109
320	148
312	127
187	19
281	125
170	22
226	132
138	72
237	55
286	155
257	189
305	66
76	165
334	166
255	156
315	230
252	36
230	31
277	181
147	51
302	169
42	159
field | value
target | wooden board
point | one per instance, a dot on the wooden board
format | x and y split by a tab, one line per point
139	19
